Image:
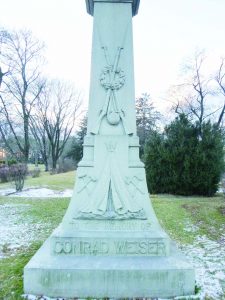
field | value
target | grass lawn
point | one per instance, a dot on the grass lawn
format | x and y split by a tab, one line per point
60	181
178	213
46	211
184	219
32	167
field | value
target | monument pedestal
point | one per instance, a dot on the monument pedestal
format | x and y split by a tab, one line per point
114	263
110	243
113	259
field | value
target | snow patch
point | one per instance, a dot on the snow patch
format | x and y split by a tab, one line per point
32	297
208	260
189	227
36	192
15	232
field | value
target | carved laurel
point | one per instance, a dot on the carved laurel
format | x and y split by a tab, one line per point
105	78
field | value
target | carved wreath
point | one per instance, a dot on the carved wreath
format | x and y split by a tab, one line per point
105	78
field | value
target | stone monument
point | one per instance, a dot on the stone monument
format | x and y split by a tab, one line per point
110	243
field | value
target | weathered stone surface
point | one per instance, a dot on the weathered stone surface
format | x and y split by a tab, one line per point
115	277
110	243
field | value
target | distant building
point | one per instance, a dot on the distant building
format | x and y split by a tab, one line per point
3	155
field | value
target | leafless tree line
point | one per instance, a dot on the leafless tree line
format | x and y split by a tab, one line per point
30	105
54	118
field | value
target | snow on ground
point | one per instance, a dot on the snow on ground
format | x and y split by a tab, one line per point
36	192
206	256
208	260
15	232
32	297
189	227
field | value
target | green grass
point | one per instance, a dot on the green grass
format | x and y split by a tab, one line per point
60	181
49	211
11	280
176	213
56	182
32	167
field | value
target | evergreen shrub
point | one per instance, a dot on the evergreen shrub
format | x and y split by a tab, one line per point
186	159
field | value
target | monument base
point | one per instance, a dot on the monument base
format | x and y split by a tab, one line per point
108	276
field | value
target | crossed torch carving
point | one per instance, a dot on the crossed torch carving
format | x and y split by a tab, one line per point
111	107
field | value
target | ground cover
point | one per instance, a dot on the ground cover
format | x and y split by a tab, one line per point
24	224
59	181
185	218
196	224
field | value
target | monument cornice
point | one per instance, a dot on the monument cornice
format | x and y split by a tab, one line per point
135	5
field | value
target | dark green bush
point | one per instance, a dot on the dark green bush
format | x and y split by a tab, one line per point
185	159
12	161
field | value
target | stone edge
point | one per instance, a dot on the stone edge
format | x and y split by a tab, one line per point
90	5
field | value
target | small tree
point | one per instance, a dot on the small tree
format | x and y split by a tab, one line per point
38	128
146	119
76	150
220	80
18	174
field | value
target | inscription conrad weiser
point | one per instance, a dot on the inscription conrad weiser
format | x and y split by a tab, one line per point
101	247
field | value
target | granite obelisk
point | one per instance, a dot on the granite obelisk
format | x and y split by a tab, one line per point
110	243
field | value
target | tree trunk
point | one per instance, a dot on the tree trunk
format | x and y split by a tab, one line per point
54	164
46	164
26	139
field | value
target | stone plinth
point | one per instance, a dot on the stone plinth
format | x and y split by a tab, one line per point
107	276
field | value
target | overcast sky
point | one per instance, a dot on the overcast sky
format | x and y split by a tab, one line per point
165	33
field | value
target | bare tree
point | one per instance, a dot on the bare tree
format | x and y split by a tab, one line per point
2	75
55	118
38	129
194	97
220	80
21	85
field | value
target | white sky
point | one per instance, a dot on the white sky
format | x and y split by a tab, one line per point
165	33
